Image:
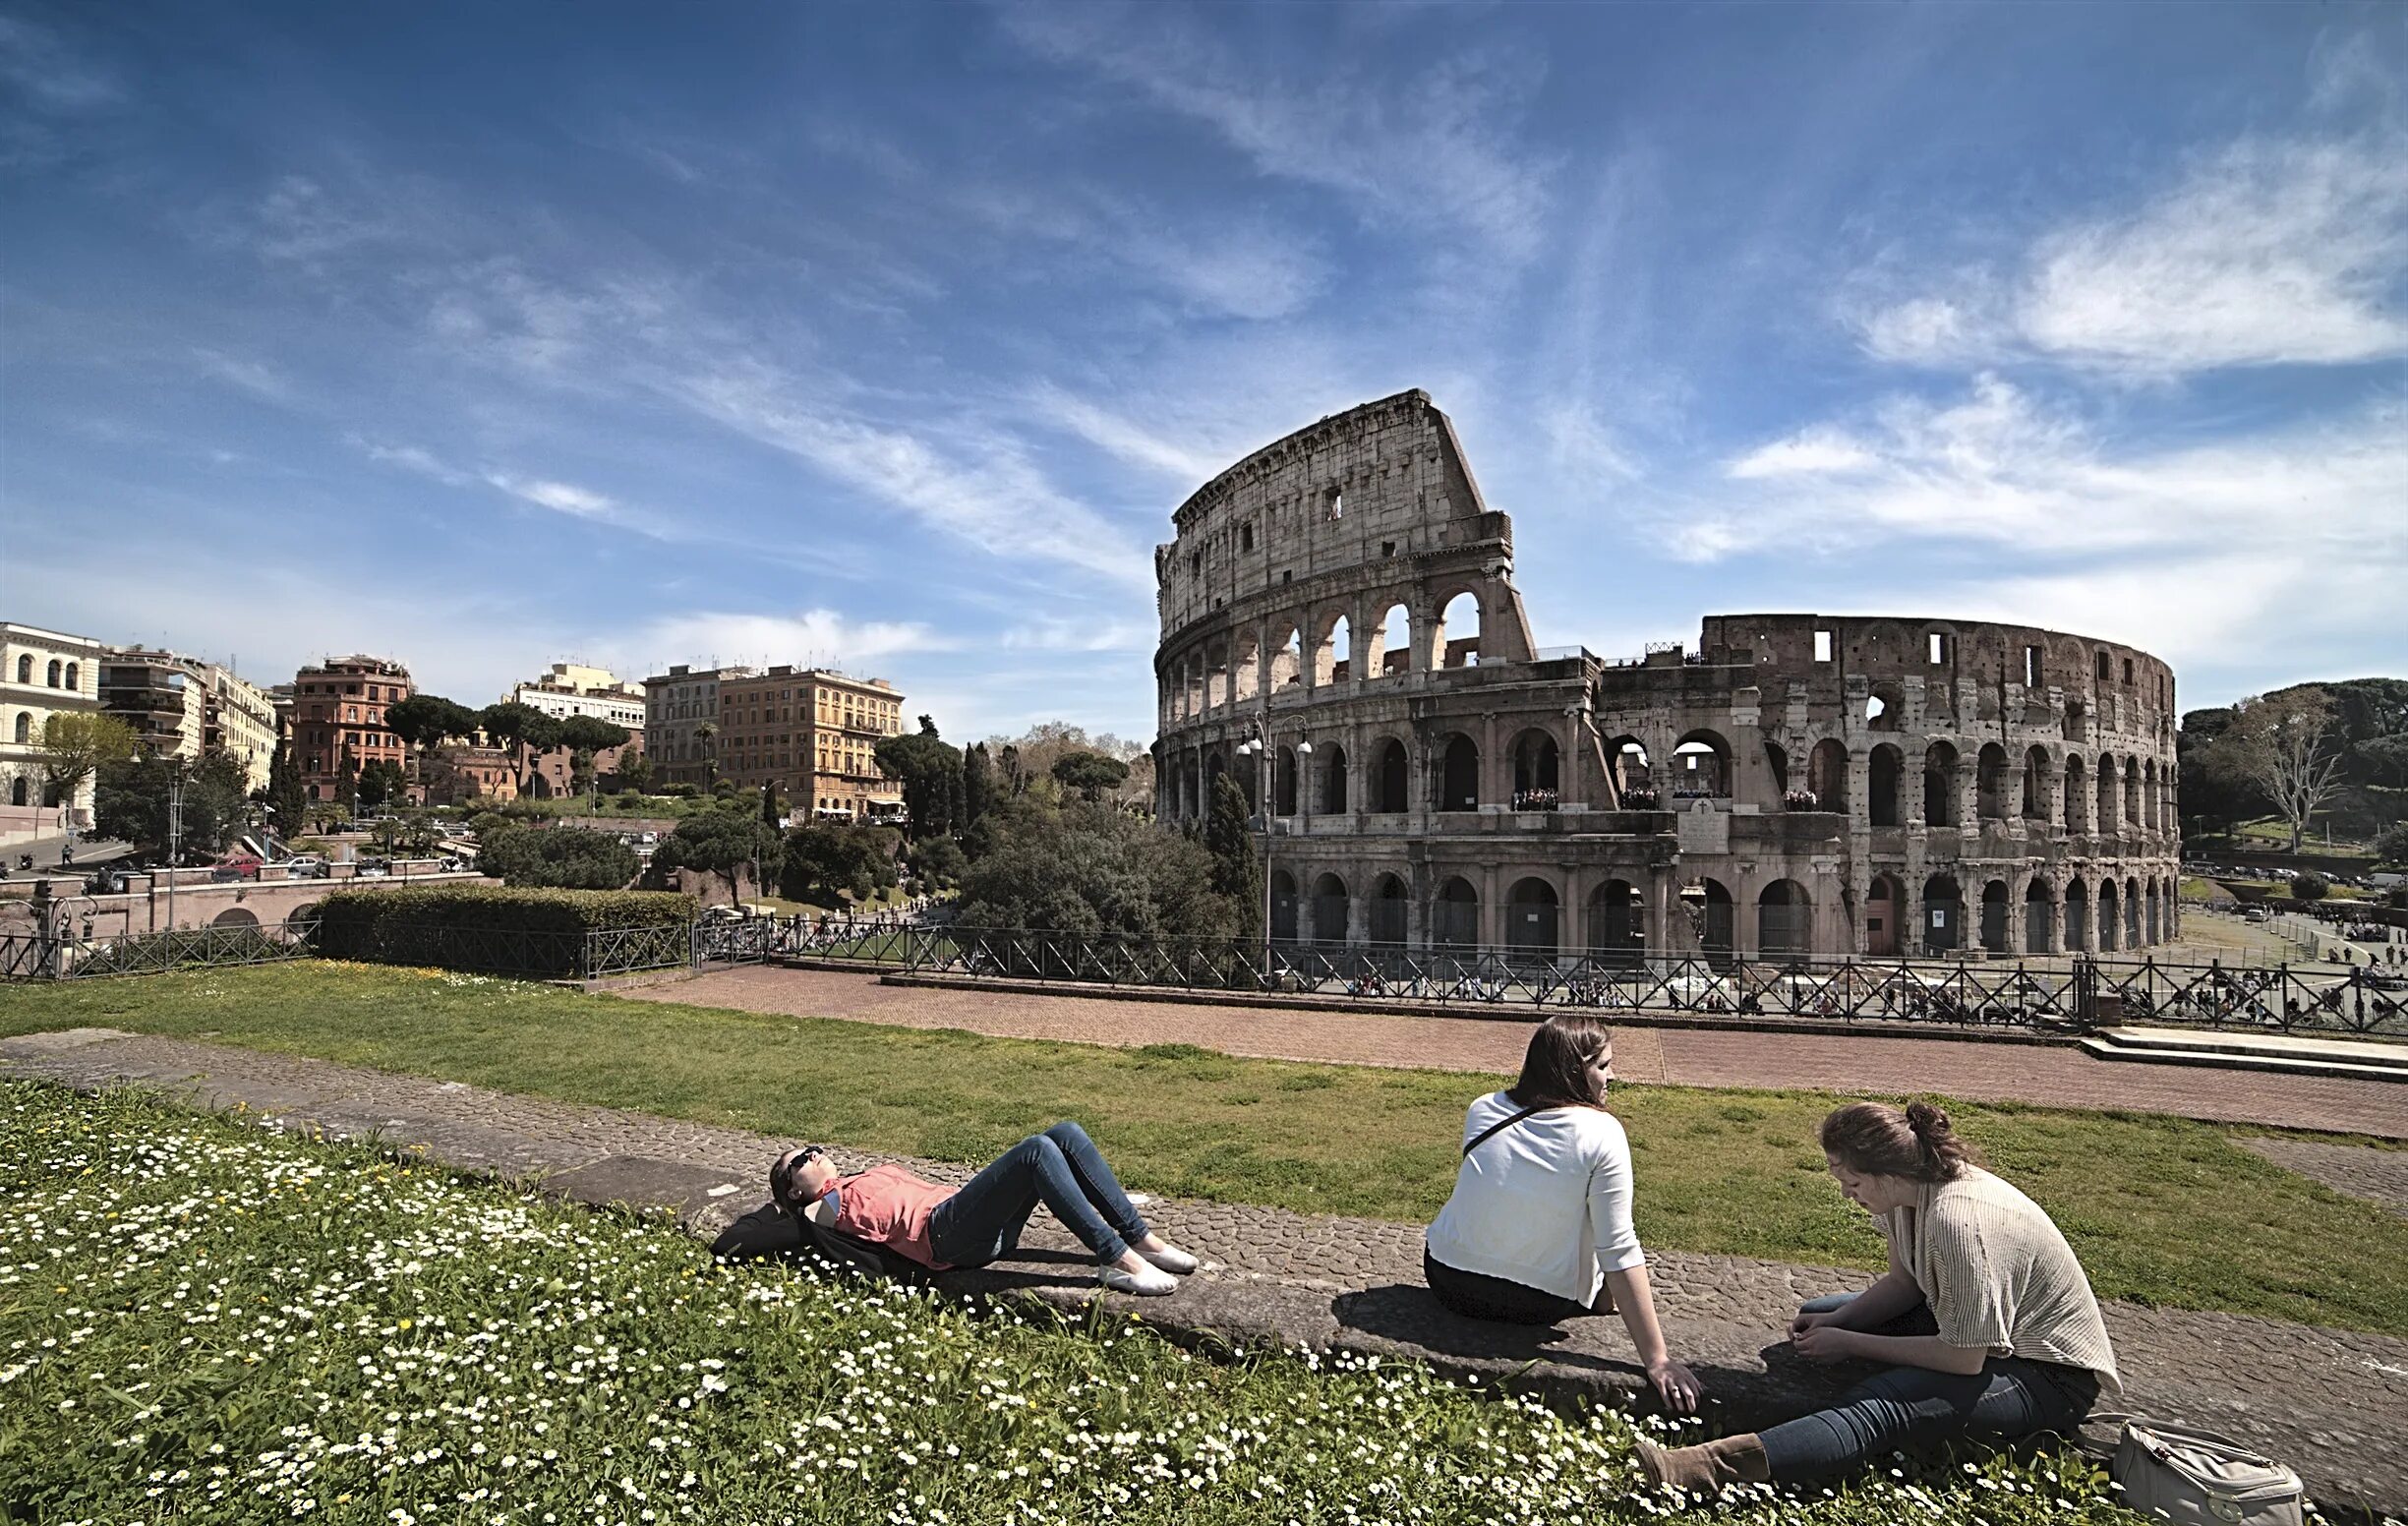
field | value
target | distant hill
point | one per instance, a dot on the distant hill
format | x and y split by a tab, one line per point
2369	726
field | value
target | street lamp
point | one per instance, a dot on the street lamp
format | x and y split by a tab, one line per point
1266	779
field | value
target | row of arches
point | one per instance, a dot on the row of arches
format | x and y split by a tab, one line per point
1317	650
59	675
1320	779
2101	915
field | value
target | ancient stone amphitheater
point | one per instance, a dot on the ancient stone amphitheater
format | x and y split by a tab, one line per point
1341	633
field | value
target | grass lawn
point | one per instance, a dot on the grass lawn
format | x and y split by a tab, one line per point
202	1321
2163	1211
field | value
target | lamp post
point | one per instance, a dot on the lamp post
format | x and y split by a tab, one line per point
1266	782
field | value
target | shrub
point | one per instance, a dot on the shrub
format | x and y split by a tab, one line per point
2309	887
556	857
540	934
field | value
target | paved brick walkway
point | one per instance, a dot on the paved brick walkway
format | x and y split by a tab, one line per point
2330	1401
2050	1075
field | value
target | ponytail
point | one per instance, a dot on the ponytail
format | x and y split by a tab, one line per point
1917	1141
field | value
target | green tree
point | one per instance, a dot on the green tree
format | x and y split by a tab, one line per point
636	773
2283	743
288	799
1092	775
74	745
379	782
521	728
2309	887
2391	845
584	736
938	862
1236	872
977	785
771	816
724	842
134	799
556	857
1092	870
929	770
830	862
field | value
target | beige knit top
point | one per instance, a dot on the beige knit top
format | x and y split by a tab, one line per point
1998	1274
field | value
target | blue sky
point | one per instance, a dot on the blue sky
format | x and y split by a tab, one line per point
486	336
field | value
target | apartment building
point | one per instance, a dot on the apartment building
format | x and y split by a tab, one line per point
338	721
814	735
677	707
181	706
572	689
42	673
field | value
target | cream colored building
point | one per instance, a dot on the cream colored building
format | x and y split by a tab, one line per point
181	706
242	721
572	689
42	673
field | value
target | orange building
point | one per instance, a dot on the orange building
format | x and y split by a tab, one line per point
338	721
814	735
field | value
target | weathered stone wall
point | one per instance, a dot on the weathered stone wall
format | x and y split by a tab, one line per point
1340	631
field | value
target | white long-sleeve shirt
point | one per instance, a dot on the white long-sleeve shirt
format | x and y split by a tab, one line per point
1544	1203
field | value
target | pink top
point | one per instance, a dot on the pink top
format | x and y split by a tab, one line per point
889	1206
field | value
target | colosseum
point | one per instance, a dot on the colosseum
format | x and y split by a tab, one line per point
1341	632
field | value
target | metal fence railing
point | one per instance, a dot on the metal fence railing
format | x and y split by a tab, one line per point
67	956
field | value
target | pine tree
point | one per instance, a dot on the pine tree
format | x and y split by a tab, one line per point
286	795
1236	872
977	785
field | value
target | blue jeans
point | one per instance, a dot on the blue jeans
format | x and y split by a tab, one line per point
2009	1397
1060	1168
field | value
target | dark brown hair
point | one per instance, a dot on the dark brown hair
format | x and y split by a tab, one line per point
1556	1065
1914	1142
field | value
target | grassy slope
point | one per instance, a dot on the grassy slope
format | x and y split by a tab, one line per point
2161	1211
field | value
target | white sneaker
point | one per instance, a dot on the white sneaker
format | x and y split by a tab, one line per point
1149	1283
1173	1260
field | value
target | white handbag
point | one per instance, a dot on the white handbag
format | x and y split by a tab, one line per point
2197	1478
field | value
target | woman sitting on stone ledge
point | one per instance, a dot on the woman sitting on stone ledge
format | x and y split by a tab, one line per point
942	1227
1538	1227
1984	1324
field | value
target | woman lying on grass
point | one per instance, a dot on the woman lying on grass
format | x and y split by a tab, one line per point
1984	1324
1538	1227
943	1227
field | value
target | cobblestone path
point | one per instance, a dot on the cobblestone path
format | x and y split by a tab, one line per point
2048	1074
2330	1401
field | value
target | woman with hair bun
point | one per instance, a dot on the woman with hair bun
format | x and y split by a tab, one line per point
1984	1324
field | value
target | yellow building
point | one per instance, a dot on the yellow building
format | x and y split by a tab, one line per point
814	735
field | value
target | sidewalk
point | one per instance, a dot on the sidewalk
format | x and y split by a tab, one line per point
2046	1075
2327	1401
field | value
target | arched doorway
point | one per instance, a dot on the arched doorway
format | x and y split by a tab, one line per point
1530	918
2077	796
1283	783
1940	788
2110	922
2149	922
2038	910
1283	907
1459	776
1457	639
1784	921
1330	912
1454	921
1389	906
2076	918
1994	934
1881	789
1990	782
1617	923
1535	772
1634	783
1827	774
1701	767
1883	909
1943	914
1388	778
1334	781
2131	912
1708	905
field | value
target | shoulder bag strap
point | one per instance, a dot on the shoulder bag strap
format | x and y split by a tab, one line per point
1498	1128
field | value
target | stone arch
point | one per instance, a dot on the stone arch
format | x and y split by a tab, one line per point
1943	914
2148	793
1884	771
1533	912
1785	921
1885	708
2131	912
1885	908
2040	911
2077	916
235	917
1458	774
1330	910
1455	640
2132	790
1391	908
1996	937
2036	792
2148	918
1396	643
1391	778
1287	658
1701	767
1777	765
2077	794
1706	902
2110	916
1283	907
1617	922
1454	918
2105	820
1827	769
1333	780
1990	782
1334	648
1283	783
1537	770
1939	767
1626	757
1246	666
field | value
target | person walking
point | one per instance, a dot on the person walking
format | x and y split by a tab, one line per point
1983	1325
1538	1227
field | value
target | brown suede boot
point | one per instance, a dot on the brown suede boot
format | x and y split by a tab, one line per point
1709	1469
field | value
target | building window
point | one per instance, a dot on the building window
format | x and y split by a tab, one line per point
53	672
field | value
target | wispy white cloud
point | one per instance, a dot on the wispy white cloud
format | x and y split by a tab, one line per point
1821	449
1123	437
1431	152
1581	443
251	375
48	75
808	637
411	458
2268	252
560	496
1050	634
